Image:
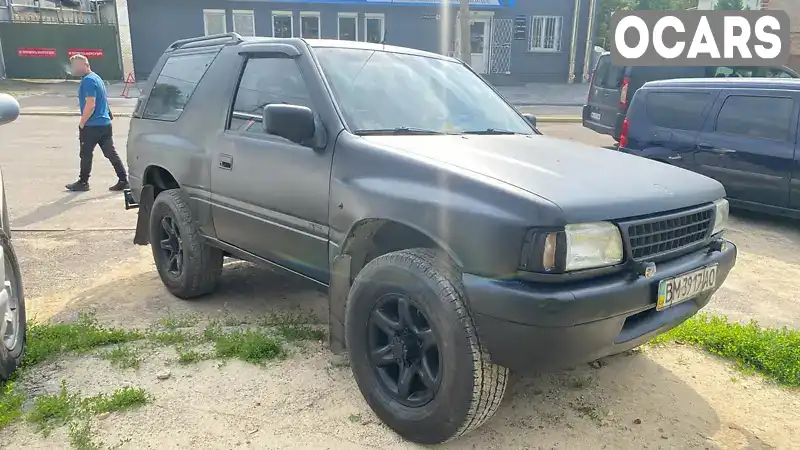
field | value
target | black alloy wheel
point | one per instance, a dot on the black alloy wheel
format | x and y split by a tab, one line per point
172	245
404	351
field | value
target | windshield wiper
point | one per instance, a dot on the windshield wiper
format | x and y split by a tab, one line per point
490	131
398	130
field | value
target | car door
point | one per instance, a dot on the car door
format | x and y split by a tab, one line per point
750	146
270	194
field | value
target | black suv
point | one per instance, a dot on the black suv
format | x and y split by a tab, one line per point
612	87
743	133
454	240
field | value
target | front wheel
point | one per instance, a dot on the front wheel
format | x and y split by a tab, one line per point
414	349
12	312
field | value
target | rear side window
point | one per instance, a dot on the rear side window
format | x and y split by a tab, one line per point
607	75
175	85
266	81
756	117
677	110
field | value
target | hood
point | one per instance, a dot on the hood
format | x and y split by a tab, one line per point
587	183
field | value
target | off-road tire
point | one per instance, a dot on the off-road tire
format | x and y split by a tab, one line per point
202	263
10	360
471	388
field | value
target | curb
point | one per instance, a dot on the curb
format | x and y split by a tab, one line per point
539	119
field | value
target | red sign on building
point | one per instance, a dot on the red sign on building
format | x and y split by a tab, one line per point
36	52
90	53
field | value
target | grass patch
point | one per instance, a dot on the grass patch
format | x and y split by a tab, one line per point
180	321
192	356
298	332
123	356
50	411
119	400
170	337
10	404
774	353
81	436
251	346
47	340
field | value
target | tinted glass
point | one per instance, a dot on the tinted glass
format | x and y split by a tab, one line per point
175	85
607	75
266	81
379	90
757	117
677	110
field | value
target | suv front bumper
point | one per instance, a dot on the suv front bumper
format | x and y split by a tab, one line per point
529	327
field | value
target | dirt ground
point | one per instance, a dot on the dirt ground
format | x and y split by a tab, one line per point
76	254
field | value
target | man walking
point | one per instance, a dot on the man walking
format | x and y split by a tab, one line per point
95	126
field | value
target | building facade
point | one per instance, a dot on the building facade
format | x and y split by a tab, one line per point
512	41
792	7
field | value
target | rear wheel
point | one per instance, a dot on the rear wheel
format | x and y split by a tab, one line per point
12	314
188	266
414	349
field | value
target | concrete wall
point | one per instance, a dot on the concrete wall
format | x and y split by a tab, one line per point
154	24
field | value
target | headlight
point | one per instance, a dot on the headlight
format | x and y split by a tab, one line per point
720	216
592	245
576	247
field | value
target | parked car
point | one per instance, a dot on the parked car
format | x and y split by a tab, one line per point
612	87
455	243
12	297
741	132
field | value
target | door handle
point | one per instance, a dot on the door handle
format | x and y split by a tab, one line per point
225	162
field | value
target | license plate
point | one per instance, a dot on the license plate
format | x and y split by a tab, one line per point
673	291
595	115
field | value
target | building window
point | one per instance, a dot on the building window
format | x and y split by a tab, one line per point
374	29
546	33
244	22
282	24
348	26
214	21
309	25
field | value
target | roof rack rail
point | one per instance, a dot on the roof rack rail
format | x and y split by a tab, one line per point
225	37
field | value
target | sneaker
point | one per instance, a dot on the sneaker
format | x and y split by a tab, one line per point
78	186
121	185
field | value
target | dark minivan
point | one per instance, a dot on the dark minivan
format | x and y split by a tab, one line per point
744	133
611	87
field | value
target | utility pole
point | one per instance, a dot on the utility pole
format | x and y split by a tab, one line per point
464	25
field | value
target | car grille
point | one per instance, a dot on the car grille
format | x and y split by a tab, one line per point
664	235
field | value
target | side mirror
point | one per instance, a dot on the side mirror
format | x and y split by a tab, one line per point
531	119
9	109
292	122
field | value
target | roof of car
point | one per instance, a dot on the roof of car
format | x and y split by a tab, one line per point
357	45
721	83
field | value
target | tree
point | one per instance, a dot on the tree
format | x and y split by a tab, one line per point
606	9
729	5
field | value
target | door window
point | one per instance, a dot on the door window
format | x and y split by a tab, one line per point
607	75
309	25
282	24
266	81
348	26
477	32
374	28
677	110
756	117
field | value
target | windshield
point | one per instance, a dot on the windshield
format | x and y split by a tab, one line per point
384	91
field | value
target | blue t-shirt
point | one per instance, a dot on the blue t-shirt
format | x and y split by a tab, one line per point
92	86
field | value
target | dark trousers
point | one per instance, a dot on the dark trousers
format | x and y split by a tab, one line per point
90	137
